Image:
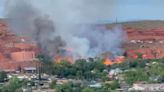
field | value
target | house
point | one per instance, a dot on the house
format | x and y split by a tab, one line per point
96	85
148	87
30	69
114	72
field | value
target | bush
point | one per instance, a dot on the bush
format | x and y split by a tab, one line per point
14	85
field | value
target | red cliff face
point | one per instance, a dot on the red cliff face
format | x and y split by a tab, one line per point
15	52
149	43
22	56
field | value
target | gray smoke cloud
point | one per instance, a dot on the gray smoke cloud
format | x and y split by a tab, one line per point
57	24
27	21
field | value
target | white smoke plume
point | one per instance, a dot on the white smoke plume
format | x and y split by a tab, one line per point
56	24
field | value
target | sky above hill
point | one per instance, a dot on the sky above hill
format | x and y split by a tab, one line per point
2	2
126	10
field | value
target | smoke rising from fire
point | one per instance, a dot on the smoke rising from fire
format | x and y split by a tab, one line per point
61	24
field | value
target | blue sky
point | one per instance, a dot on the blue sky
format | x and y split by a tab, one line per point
128	10
140	10
2	2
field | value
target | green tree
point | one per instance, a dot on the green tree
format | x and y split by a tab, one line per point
68	87
98	65
156	73
115	85
106	87
3	76
46	63
80	70
88	90
139	55
136	75
53	84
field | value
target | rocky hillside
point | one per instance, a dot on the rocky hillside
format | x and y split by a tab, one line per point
14	51
146	37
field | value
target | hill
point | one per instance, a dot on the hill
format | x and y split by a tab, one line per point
146	24
144	37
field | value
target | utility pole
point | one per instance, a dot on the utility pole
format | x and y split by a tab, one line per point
38	72
116	20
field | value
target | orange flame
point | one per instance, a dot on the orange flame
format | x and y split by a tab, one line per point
68	58
117	60
59	58
108	62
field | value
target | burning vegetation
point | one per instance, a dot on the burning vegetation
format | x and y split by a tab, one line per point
64	39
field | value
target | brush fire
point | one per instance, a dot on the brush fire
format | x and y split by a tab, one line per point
117	60
64	55
71	36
